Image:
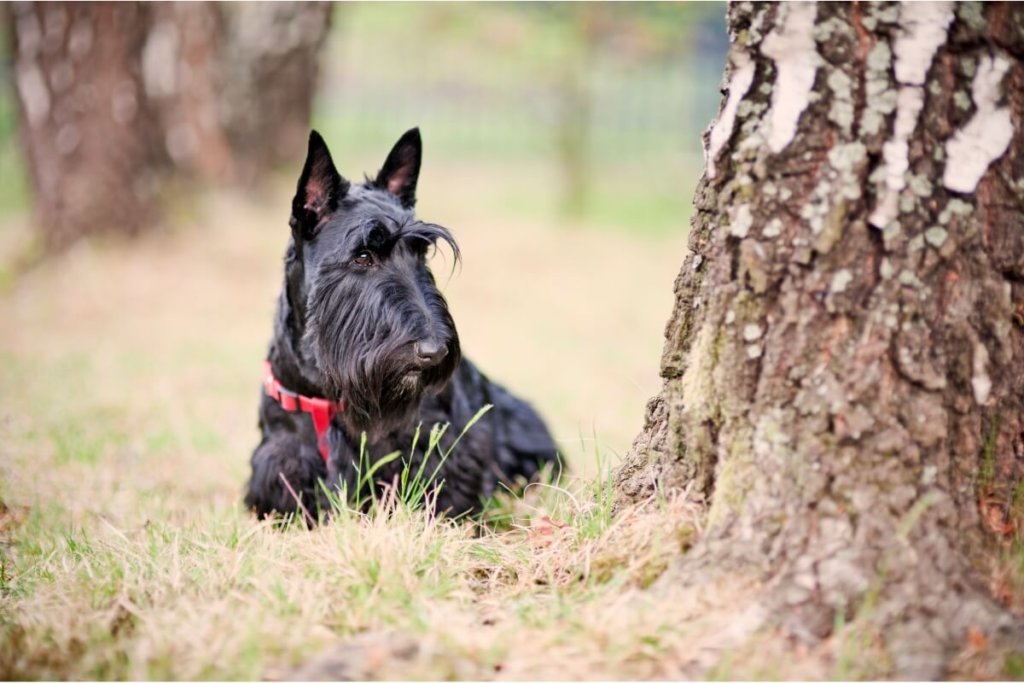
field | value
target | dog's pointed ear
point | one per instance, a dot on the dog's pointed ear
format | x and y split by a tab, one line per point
402	168
320	189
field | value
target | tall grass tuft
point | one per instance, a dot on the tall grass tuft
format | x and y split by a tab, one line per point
412	487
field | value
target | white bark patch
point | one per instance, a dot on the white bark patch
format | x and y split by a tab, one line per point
881	100
796	61
67	139
925	24
34	94
30	33
773	229
895	153
739	84
980	381
80	40
840	280
841	111
741	220
160	60
986	136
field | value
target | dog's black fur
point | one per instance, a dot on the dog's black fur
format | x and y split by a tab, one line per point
360	319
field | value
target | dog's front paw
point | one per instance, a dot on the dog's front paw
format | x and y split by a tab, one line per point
286	480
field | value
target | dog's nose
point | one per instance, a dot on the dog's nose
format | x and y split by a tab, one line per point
429	353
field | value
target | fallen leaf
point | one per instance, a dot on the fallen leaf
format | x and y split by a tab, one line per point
542	530
976	640
11	516
996	518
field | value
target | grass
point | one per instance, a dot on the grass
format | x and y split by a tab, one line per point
107	580
128	386
128	379
128	382
230	598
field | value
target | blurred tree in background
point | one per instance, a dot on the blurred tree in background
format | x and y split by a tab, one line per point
114	97
588	111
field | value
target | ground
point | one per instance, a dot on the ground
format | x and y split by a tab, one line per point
128	387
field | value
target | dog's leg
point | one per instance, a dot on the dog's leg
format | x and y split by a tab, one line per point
523	443
280	459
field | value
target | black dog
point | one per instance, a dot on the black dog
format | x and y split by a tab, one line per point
364	343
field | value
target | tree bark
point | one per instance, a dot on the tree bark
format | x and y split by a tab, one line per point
843	368
234	83
181	65
268	76
85	125
115	97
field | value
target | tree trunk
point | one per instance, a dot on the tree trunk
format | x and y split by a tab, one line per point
85	125
268	75
180	62
234	83
844	365
115	96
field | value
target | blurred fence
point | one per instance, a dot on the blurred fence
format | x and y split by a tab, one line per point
607	94
507	77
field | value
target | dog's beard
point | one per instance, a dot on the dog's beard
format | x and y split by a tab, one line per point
366	365
382	395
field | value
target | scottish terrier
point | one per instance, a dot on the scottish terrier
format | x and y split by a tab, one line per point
365	355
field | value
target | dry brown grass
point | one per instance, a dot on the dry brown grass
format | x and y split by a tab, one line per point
129	376
128	384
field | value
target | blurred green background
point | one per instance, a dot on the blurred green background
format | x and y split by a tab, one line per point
609	100
603	101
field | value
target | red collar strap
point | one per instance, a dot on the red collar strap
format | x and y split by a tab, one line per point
320	409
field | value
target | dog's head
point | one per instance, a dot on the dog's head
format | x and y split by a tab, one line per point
365	306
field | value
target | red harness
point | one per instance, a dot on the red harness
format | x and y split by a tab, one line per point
320	409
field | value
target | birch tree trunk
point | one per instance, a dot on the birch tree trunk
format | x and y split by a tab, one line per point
115	97
844	367
234	83
88	134
269	71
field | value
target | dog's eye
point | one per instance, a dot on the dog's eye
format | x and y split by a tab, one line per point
363	259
